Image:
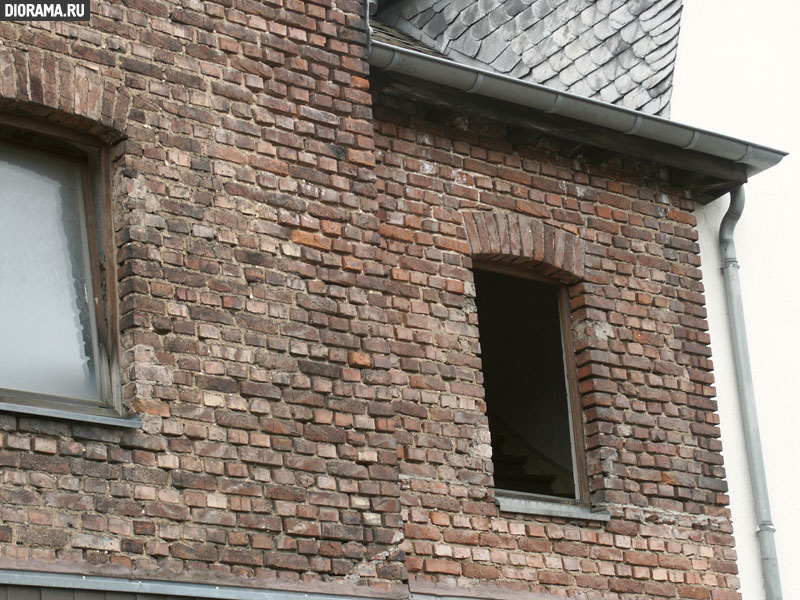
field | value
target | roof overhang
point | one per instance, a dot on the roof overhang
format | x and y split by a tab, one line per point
708	162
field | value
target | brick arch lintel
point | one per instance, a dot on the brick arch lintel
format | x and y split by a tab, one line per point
529	242
38	84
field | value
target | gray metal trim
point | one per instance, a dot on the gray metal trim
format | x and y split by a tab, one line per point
55	413
478	593
527	504
164	588
754	157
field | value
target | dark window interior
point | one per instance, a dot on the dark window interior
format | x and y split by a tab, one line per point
525	382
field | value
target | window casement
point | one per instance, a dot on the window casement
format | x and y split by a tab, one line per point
532	400
58	333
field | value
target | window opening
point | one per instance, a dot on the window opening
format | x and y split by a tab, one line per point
527	384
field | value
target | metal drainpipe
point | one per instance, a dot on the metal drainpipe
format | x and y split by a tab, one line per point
744	383
370	8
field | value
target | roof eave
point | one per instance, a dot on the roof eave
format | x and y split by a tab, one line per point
684	139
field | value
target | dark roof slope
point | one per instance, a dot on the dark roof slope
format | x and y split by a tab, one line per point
617	51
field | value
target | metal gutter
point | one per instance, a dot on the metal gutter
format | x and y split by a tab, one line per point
754	157
765	531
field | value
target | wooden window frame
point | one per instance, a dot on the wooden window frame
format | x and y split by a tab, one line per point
76	147
574	404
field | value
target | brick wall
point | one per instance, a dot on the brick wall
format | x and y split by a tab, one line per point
299	331
641	350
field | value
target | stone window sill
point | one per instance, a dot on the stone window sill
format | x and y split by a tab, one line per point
530	504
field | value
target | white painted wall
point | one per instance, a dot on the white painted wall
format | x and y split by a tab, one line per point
738	73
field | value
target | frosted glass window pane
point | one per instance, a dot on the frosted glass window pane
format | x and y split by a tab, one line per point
47	342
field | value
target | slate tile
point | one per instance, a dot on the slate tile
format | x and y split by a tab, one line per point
670	47
507	31
606	6
574	49
596	81
591	15
576	26
507	60
580	87
624	84
640	72
481	29
467	45
663	26
559	62
590	41
488	6
453	8
637	7
532	57
643	47
542	8
569	75
585	64
542	72
664	62
627	59
422	18
610	94
514	7
457	29
491	47
601	55
632	32
603	29
526	19
436	26
659	7
666	36
498	17
620	17
636	97
566	11
521	71
657	107
613	70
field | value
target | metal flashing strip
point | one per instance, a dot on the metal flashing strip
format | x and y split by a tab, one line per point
754	157
517	502
163	588
477	593
71	415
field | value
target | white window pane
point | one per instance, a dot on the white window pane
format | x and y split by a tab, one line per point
46	331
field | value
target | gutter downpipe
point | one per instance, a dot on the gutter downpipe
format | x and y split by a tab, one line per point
765	531
370	8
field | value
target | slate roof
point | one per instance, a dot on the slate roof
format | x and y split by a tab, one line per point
618	51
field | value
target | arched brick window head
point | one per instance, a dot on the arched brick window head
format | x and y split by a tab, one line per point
517	239
521	267
62	93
